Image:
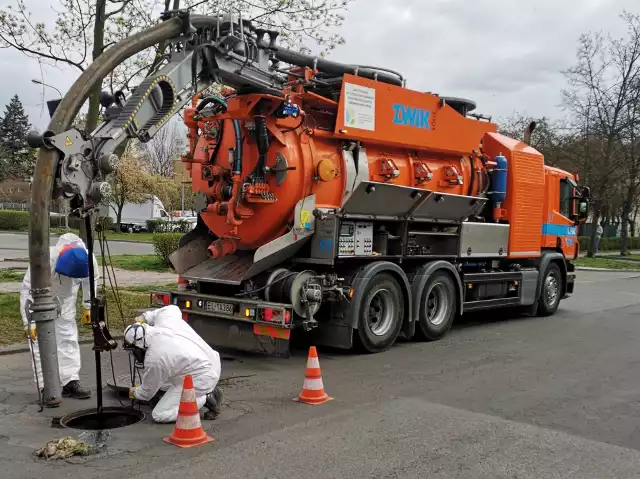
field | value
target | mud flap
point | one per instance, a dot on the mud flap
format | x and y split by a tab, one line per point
228	335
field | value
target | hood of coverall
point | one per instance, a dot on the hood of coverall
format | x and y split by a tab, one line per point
73	258
136	338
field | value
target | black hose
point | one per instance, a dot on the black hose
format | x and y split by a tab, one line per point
211	99
237	164
335	68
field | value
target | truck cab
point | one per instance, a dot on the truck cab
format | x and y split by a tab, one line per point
566	206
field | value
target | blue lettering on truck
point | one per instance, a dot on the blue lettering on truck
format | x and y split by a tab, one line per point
411	116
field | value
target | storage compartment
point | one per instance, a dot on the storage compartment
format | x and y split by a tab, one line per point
483	240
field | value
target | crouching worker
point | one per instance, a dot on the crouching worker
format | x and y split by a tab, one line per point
170	349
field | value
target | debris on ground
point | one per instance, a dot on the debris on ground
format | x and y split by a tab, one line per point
64	448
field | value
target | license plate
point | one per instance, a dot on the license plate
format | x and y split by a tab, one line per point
215	307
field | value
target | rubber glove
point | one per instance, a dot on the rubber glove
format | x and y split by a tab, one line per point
132	392
86	314
30	332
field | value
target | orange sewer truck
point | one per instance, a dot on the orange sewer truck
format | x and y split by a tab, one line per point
353	210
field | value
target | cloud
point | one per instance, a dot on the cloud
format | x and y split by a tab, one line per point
506	55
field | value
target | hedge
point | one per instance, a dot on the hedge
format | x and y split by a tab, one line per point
163	226
14	220
608	244
19	221
166	243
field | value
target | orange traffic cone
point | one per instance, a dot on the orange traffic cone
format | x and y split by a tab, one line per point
313	389
188	431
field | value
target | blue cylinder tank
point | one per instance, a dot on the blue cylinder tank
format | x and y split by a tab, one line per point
499	180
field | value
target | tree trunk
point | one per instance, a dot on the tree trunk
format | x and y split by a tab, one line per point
119	217
98	46
592	243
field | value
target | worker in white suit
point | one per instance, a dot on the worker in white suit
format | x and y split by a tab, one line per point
69	262
170	349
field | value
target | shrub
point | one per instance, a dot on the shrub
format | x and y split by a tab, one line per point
14	220
162	226
166	243
105	222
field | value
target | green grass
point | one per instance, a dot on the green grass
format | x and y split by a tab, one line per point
132	299
112	235
11	275
138	262
607	263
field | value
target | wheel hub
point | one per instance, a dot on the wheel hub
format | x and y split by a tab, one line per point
551	290
381	312
437	304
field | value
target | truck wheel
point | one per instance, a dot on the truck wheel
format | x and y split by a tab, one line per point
130	229
437	307
381	314
551	291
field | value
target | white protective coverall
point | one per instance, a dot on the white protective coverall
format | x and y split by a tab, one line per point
174	350
65	289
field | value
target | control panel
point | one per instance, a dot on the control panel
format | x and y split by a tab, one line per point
364	239
347	239
355	239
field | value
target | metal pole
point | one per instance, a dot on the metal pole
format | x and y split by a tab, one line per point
92	293
44	309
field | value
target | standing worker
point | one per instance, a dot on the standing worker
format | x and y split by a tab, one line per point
170	349
69	260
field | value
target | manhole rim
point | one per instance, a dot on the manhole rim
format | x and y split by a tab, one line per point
109	409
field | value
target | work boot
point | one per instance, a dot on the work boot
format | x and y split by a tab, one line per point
213	404
74	390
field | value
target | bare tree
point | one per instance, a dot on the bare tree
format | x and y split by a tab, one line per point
84	29
600	88
161	152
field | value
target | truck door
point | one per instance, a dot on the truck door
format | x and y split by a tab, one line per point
559	230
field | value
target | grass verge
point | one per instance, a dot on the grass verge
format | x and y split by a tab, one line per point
11	275
131	299
112	235
607	263
138	262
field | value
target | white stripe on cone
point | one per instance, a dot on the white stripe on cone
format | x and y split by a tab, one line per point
313	384
313	363
188	422
188	395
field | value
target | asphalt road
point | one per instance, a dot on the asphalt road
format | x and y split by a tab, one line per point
500	397
13	245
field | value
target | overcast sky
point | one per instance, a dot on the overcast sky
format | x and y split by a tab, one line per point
506	55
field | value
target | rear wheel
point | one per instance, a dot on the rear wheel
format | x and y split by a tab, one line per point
551	292
437	307
381	314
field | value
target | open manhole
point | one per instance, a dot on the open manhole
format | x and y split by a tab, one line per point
111	418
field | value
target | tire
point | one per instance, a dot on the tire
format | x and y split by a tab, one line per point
551	291
437	307
381	314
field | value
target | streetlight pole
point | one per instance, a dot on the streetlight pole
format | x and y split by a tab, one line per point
38	82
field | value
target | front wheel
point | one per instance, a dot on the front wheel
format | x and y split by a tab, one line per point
552	291
381	314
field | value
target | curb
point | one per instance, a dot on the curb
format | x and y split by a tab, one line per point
606	270
21	348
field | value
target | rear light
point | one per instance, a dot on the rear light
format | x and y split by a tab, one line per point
287	317
185	316
162	299
183	284
267	314
187	304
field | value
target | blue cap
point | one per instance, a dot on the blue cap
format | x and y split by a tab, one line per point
73	262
